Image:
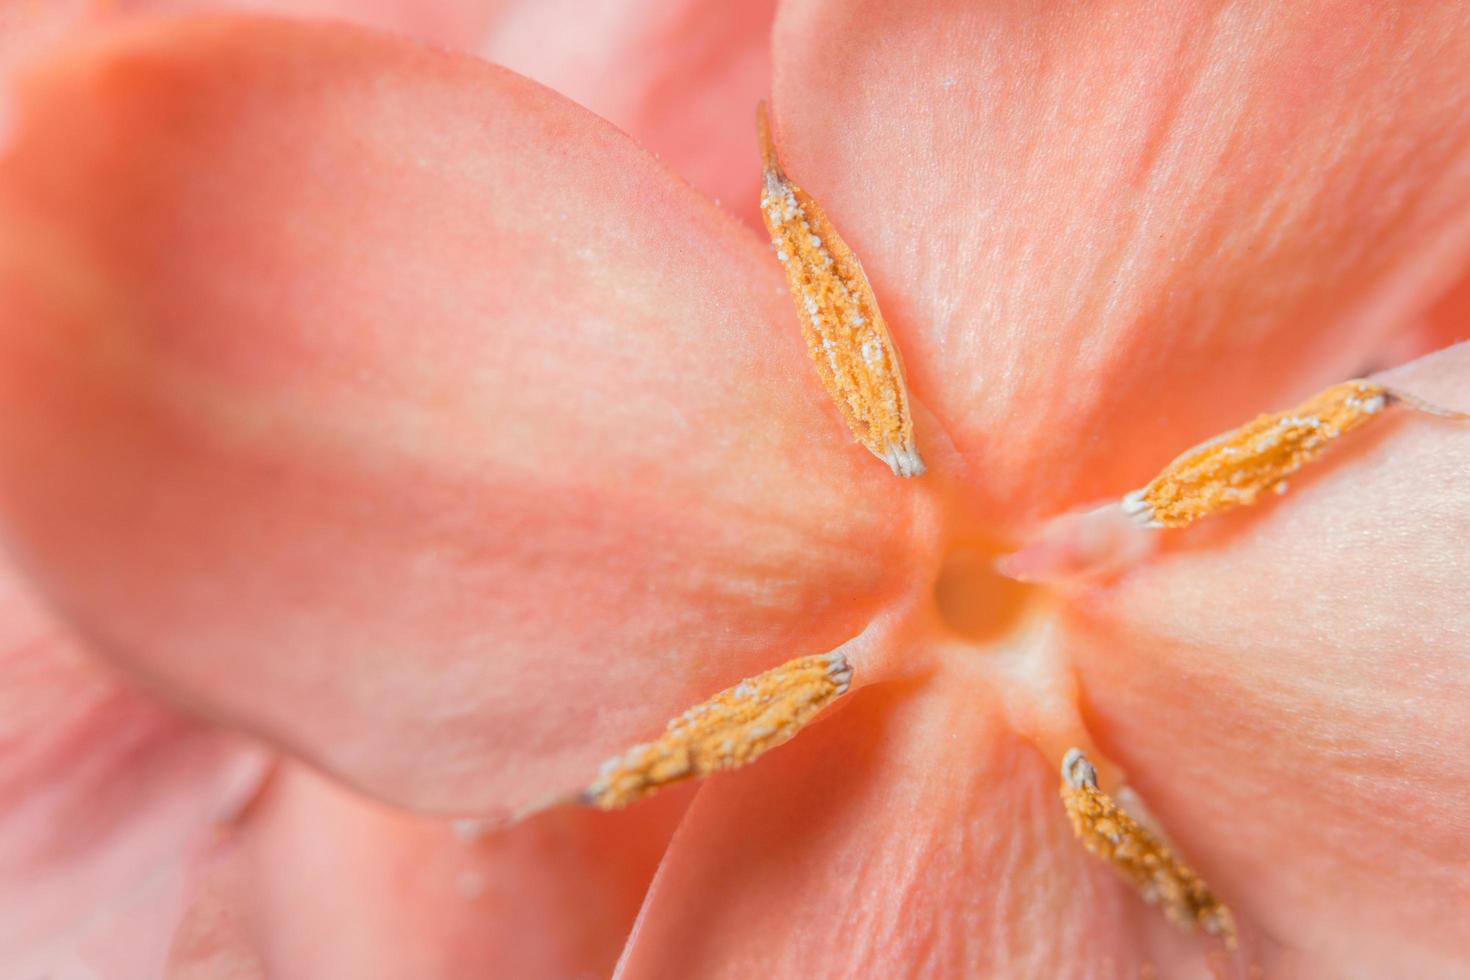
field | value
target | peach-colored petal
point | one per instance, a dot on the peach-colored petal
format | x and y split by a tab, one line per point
1102	232
1291	690
388	404
28	26
681	76
913	835
455	24
319	883
101	793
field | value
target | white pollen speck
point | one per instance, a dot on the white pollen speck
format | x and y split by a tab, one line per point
872	352
816	242
781	254
1374	405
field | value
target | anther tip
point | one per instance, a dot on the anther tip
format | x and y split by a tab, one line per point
904	461
1077	771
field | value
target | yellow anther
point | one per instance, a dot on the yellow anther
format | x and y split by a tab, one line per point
1233	470
845	333
732	728
1139	855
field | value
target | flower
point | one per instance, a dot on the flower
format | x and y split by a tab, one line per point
396	411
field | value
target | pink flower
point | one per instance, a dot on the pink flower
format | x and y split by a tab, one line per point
393	411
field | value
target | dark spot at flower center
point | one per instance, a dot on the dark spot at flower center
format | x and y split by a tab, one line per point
974	600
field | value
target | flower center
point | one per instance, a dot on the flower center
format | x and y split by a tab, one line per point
974	600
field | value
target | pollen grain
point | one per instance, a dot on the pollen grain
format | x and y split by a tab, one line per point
1139	855
733	728
845	333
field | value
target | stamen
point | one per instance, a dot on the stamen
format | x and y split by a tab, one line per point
734	727
845	333
1139	855
1234	469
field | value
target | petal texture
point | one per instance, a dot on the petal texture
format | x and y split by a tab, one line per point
102	794
1290	689
455	24
1102	232
388	404
913	835
409	897
681	76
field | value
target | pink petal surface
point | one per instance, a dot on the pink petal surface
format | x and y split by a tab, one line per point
456	24
1290	688
681	76
389	405
1102	232
319	883
912	835
29	25
102	793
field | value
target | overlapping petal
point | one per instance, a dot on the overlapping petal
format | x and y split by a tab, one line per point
1291	690
1102	232
102	793
913	835
319	883
387	404
681	76
457	24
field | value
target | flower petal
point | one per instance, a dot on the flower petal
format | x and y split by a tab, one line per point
101	793
455	24
29	25
387	404
681	76
1290	691
409	897
1103	233
913	835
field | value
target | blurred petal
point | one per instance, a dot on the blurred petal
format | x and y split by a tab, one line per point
1291	691
913	835
27	26
681	76
1102	232
409	897
101	794
389	405
456	24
